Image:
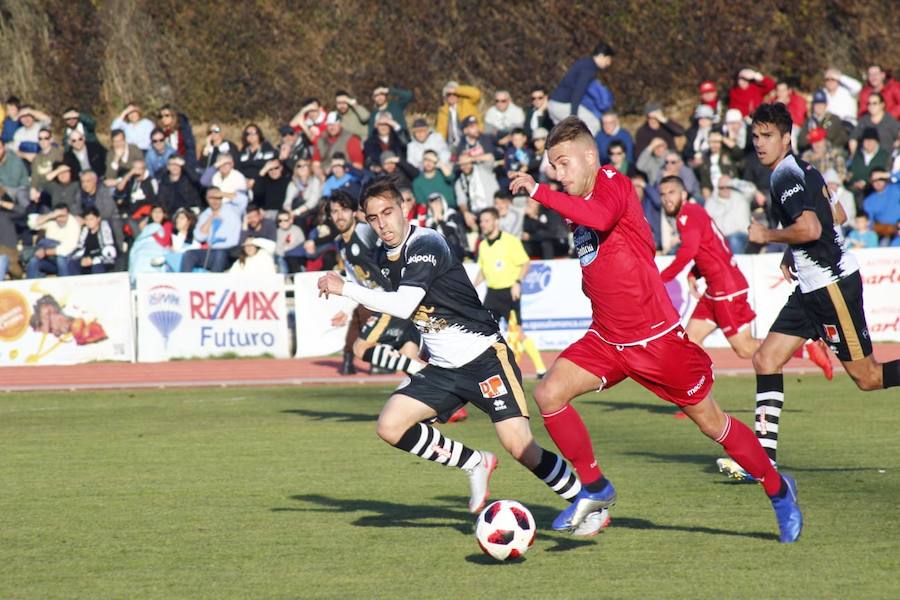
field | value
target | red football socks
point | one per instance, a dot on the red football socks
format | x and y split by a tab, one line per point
741	444
573	440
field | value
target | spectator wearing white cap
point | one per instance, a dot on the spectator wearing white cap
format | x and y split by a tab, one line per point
230	182
735	135
337	141
25	139
425	138
460	102
698	135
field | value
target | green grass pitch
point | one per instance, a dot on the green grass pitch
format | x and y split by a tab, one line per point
287	493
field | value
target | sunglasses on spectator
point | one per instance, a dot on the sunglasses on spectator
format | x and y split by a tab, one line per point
673	162
215	197
157	140
501	100
165	115
76	139
538	97
616	153
284	220
43	137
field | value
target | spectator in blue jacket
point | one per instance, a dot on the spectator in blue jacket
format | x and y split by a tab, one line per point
568	96
883	204
219	227
612	131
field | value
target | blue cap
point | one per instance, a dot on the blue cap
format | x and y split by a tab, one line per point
820	97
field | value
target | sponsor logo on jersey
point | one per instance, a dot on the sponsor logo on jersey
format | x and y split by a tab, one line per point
832	334
788	193
493	387
499	405
354	249
586	244
418	258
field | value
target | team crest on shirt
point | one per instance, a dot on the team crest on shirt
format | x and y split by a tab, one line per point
493	387
586	244
831	334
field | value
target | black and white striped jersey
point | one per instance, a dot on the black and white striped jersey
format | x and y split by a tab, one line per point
797	186
455	326
360	257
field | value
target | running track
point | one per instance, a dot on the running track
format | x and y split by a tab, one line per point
308	371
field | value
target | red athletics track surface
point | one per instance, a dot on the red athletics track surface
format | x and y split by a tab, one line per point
282	372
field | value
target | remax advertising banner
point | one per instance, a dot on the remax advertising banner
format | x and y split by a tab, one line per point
187	315
66	320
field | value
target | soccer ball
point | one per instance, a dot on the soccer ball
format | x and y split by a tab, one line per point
505	529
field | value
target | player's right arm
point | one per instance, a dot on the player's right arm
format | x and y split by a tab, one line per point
689	231
600	214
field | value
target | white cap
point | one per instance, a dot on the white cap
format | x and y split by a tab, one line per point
332	118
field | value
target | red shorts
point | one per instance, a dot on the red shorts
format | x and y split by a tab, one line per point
671	366
728	315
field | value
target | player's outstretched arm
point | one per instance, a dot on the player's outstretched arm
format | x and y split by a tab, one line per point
596	214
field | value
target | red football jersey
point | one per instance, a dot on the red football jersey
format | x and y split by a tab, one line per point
629	302
702	242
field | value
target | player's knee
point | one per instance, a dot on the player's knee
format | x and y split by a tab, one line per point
763	362
744	352
548	397
388	431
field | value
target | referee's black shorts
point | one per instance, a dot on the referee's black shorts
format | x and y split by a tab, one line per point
501	304
833	313
491	381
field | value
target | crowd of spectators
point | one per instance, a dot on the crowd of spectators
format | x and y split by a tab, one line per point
159	199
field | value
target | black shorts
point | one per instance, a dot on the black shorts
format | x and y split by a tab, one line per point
491	381
393	331
500	303
833	313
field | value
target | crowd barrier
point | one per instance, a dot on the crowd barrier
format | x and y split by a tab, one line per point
67	320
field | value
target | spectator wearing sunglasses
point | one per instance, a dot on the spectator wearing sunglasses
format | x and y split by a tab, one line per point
158	154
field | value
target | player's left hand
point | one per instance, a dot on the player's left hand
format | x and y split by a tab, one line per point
330	283
758	233
521	182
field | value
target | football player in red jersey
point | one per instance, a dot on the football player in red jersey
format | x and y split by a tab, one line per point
723	304
635	330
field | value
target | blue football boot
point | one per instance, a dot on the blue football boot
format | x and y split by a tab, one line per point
584	504
787	512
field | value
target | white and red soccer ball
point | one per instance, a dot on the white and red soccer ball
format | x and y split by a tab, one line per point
505	529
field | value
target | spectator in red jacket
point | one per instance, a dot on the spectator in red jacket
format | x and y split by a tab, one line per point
878	81
752	87
796	105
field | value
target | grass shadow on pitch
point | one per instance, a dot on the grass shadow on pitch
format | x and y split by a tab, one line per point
331	415
449	514
708	461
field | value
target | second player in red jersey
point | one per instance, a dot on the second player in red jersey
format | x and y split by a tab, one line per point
634	333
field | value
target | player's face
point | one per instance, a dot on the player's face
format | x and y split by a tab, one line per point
343	218
576	166
770	144
672	197
386	217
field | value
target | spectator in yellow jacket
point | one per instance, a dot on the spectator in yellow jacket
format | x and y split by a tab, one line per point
460	101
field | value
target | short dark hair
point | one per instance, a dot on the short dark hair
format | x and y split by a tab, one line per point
344	200
48	300
604	49
490	210
157	130
503	193
877	95
673	179
518	131
96	213
14	100
616	144
253	208
116	133
570	128
775	114
383	187
70	108
539	88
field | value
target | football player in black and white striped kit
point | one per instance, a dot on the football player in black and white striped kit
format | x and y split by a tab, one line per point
468	359
387	342
828	300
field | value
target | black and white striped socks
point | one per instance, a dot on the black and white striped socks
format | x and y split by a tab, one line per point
427	442
555	472
384	356
769	401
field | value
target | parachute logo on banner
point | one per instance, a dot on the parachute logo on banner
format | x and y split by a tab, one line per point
164	304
